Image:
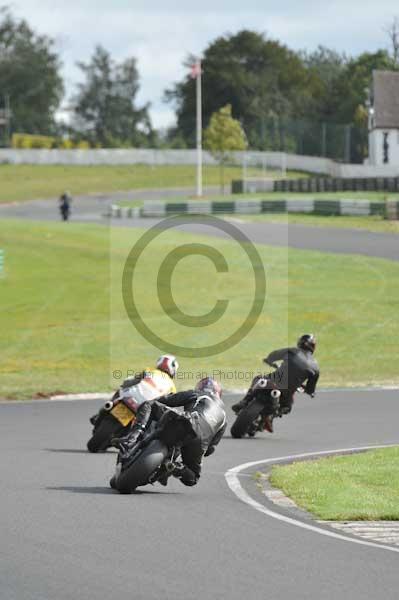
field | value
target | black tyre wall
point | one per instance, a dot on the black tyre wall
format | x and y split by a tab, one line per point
107	429
141	470
245	417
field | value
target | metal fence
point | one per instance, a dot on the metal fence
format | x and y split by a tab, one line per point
345	143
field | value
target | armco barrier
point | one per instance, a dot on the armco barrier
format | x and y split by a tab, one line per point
251	206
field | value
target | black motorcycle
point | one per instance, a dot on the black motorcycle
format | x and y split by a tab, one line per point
156	456
113	420
252	418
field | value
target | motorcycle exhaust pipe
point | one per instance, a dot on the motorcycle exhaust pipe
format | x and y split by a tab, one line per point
108	405
275	394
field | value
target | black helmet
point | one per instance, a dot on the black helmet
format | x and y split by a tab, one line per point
209	386
307	341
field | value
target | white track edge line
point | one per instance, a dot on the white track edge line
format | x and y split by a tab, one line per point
232	479
105	395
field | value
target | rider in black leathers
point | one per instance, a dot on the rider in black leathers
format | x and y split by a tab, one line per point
65	205
204	409
297	367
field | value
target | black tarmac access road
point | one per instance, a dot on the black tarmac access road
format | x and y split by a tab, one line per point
65	535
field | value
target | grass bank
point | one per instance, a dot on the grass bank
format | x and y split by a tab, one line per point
28	182
363	486
64	326
369	223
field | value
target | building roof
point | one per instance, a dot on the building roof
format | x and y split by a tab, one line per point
386	99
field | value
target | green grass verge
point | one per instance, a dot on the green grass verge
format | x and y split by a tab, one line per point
363	486
369	223
28	182
64	326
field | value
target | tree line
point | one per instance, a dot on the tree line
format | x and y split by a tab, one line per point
307	102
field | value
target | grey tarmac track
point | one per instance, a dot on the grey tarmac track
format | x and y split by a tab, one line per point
65	535
91	208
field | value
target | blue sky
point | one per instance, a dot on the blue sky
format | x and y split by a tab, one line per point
160	34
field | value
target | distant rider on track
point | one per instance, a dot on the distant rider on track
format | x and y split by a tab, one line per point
65	205
297	367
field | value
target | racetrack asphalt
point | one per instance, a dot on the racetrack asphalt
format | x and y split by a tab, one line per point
90	209
66	534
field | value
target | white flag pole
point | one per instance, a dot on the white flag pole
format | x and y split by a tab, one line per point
199	127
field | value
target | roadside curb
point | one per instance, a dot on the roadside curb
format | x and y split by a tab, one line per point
103	396
378	531
348	207
83	396
302	519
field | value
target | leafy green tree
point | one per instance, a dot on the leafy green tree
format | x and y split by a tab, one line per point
392	31
302	102
105	104
257	76
326	67
350	92
29	76
222	136
356	77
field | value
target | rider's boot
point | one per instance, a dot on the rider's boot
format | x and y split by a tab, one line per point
164	477
126	443
268	423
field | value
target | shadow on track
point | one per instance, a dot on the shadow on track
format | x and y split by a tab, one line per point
75	451
81	489
103	490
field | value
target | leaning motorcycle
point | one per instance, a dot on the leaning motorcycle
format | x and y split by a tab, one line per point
156	456
114	420
251	418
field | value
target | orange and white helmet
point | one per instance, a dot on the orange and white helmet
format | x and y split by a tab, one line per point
168	364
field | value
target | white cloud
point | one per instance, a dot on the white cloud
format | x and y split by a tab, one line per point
161	38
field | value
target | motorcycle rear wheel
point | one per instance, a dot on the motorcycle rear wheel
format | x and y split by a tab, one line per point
245	418
107	429
138	473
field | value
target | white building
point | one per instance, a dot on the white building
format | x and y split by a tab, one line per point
384	119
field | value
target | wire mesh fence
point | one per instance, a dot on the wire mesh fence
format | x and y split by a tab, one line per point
346	143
